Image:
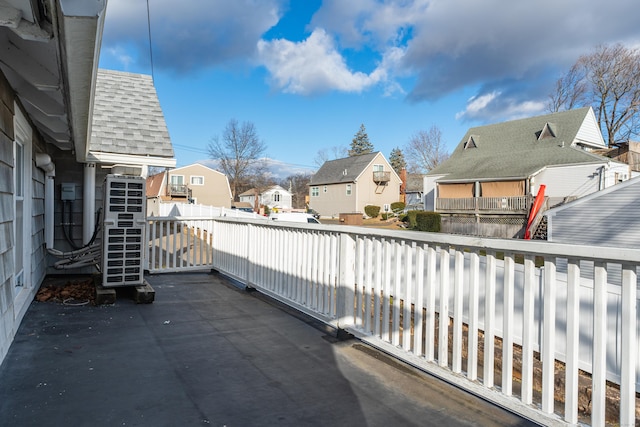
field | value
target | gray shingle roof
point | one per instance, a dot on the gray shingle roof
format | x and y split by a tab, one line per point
127	118
512	149
342	170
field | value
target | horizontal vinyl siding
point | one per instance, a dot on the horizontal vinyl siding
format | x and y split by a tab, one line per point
335	201
609	220
37	228
569	181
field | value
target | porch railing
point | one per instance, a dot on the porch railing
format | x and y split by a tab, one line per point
476	312
519	204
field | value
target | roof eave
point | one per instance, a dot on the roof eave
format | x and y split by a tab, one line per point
80	32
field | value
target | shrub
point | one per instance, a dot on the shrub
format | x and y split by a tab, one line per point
372	211
385	216
427	221
397	207
411	218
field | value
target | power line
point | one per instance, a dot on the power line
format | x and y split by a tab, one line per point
203	151
150	49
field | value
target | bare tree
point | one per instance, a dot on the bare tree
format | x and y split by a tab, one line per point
609	80
570	91
239	154
332	153
297	185
425	150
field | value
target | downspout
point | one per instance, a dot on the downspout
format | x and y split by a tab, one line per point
43	161
88	202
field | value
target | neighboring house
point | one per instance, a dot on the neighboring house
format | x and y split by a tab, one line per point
624	152
194	183
275	197
414	190
348	185
487	185
606	218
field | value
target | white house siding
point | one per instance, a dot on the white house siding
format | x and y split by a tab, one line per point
589	132
607	218
285	201
430	192
616	173
568	181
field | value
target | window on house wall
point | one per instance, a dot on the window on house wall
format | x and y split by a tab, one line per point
324	189
378	168
276	196
19	213
177	179
315	191
348	189
197	180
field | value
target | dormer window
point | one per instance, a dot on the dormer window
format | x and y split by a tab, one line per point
547	132
471	143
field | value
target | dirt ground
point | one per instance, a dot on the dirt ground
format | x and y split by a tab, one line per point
391	224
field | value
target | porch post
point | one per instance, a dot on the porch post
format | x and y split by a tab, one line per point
346	281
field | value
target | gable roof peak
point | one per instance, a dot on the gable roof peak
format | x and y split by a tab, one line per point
548	131
471	142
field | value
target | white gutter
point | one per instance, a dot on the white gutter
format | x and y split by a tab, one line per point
43	161
129	159
89	202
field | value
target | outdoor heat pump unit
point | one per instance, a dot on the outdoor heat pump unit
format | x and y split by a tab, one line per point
123	231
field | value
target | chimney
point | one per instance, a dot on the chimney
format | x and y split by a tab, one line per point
403	185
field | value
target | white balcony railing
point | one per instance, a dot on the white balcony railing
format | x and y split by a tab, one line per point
473	311
519	204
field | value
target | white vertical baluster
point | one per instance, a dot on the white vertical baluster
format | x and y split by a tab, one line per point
599	376
443	337
419	303
629	346
548	335
458	280
430	321
573	341
489	319
408	295
474	291
528	328
507	327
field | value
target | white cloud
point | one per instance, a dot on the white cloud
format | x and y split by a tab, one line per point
191	34
313	66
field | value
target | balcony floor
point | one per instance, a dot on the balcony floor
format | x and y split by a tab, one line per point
208	353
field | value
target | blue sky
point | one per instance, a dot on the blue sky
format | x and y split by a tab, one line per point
307	73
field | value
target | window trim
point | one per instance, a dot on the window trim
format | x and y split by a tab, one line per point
349	190
196	176
171	177
315	191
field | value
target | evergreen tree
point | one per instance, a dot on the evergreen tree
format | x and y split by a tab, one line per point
396	158
360	143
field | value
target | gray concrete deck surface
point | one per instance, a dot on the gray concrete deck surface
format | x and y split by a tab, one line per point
208	353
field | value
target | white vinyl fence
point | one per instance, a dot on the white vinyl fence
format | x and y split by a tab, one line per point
511	306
